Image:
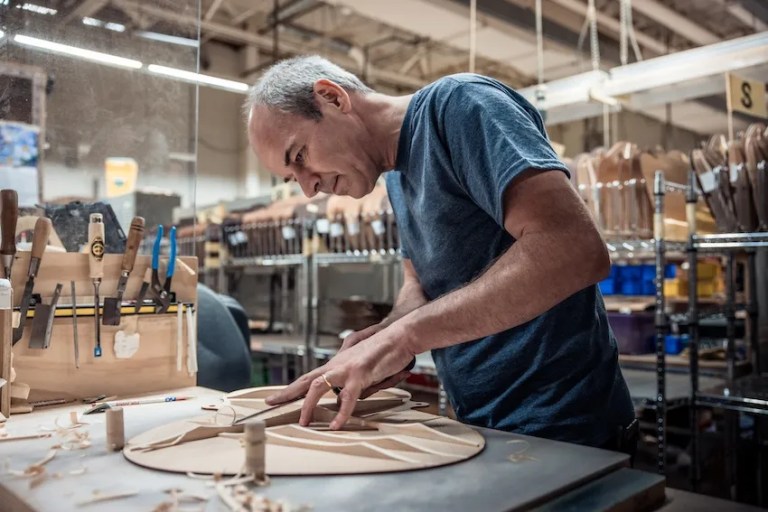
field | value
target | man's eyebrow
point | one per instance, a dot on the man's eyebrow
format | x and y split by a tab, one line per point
288	155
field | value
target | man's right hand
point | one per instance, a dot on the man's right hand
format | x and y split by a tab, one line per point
356	337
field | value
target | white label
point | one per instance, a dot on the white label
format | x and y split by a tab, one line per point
734	171
322	226
6	294
353	228
126	345
289	233
707	182
337	229
378	227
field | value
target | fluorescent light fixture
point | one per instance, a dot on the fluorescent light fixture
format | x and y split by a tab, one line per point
93	22
165	38
82	53
198	78
115	27
37	9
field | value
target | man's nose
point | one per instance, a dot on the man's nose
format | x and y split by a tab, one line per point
309	183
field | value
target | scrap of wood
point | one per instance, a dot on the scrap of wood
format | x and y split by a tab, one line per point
21	408
35	472
19	391
100	498
23	437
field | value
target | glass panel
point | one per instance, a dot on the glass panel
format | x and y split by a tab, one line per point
94	124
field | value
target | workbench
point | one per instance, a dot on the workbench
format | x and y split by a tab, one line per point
552	474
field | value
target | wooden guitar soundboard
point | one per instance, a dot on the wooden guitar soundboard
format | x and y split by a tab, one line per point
385	434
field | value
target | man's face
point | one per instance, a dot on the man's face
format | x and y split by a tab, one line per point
333	155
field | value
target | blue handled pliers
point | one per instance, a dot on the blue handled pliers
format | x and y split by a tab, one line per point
161	291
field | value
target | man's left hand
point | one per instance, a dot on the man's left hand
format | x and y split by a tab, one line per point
371	365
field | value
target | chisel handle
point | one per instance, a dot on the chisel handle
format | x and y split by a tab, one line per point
96	246
8	218
40	237
135	235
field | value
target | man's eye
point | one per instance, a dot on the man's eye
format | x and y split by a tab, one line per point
300	157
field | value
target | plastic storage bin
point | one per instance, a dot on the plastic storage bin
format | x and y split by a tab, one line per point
634	332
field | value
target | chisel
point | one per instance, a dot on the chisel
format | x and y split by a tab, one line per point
96	265
42	324
112	304
9	215
39	241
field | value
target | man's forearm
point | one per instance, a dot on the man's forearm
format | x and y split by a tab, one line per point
409	298
536	273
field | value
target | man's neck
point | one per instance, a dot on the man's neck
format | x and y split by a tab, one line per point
383	116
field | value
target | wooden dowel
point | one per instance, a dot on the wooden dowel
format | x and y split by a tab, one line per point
255	448
115	429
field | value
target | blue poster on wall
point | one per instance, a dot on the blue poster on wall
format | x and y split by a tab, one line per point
19	154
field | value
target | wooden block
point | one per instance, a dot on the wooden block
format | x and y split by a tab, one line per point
21	408
115	429
19	391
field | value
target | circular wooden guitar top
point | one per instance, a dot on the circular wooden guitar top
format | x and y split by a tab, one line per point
385	434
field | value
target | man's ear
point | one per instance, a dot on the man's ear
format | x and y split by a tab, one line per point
331	94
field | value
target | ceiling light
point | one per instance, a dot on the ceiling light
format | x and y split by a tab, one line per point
116	27
82	53
37	9
165	38
2	34
93	22
189	76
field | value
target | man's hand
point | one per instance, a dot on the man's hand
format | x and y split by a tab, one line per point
356	337
370	365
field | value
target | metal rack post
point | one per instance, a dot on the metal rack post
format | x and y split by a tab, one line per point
660	320
731	418
693	325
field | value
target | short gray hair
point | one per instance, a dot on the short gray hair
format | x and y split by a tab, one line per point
288	85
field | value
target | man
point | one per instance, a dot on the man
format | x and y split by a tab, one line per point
500	256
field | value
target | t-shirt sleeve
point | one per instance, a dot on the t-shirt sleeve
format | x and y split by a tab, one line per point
492	138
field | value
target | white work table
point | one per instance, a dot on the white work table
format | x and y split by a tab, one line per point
552	473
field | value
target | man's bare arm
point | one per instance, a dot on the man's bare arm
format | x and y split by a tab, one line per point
410	297
558	251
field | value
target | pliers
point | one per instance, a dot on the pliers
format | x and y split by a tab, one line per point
161	291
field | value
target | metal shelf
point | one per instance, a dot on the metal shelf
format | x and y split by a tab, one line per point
747	394
266	261
642	248
730	241
357	257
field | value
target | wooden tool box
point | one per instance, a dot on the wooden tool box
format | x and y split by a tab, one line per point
160	362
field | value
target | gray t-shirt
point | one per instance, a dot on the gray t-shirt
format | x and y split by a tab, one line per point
463	140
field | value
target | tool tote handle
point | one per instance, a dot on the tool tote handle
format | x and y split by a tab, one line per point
10	217
135	236
40	237
96	246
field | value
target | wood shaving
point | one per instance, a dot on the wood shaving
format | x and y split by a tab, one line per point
5	437
178	497
98	497
241	499
519	454
36	471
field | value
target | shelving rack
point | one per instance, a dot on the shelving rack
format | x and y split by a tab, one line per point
739	395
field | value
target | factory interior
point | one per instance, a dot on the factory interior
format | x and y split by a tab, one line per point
227	226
